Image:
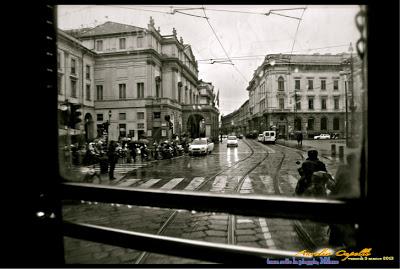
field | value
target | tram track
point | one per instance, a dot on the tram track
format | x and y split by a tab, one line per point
301	232
304	237
144	255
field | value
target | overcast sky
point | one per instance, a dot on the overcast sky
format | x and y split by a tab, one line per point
241	34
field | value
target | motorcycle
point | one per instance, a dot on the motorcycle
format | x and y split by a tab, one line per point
321	183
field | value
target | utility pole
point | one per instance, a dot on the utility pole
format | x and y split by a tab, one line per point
352	107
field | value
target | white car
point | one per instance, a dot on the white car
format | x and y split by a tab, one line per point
232	141
201	146
260	138
269	137
322	136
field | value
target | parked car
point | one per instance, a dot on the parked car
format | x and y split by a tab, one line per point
240	136
269	137
201	146
260	138
322	136
232	141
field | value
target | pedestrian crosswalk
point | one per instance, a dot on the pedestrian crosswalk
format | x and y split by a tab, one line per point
219	184
122	168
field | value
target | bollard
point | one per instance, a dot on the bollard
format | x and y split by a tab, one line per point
333	150
341	152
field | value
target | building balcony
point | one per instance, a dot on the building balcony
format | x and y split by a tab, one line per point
199	108
281	110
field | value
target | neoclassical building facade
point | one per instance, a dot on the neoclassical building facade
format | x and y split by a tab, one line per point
139	78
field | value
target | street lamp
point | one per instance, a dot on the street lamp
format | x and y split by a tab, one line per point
108	124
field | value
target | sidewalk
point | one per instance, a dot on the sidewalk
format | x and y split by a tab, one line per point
74	175
323	147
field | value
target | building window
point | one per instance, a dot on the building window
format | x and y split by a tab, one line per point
157	115
140	115
73	88
99	92
281	85
310	84
179	93
140	125
311	103
310	124
323	123
323	84
158	90
140	42
336	103
99	117
140	90
122	116
298	103
297	84
59	84
87	92
122	91
281	103
73	66
122	44
99	45
122	130
336	124
58	60
336	85
323	104
87	71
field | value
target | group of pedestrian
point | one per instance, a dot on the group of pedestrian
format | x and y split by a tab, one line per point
315	181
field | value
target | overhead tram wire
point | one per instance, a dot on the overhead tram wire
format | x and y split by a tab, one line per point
251	57
216	36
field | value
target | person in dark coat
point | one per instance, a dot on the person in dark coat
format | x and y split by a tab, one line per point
112	158
310	165
300	139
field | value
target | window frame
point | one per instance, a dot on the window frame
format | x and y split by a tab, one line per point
98	118
140	89
140	113
312	103
88	92
99	89
122	116
124	43
101	45
122	91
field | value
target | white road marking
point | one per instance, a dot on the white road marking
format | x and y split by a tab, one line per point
194	183
268	183
149	183
266	233
129	182
247	187
172	183
219	184
242	220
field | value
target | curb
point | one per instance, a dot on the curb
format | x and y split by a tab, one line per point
305	150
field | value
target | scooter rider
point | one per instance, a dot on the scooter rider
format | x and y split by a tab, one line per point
310	165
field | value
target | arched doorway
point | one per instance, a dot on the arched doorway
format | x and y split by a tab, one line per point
89	127
196	126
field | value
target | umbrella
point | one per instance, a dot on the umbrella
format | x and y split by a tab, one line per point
142	140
